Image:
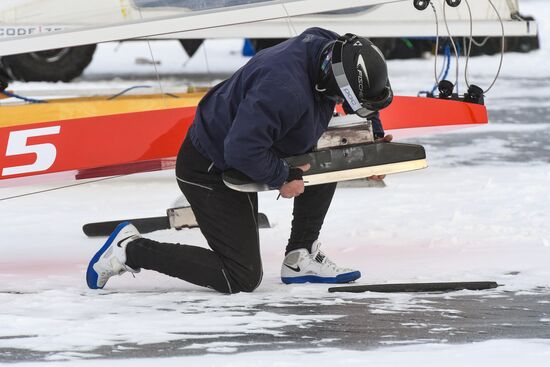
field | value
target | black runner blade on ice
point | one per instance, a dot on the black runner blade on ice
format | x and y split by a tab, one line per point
147	225
143	225
416	287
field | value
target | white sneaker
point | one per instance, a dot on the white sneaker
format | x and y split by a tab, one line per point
111	258
300	266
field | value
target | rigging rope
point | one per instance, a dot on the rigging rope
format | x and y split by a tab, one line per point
126	91
478	44
154	61
60	187
207	63
445	68
289	21
23	98
457	50
155	67
436	42
471	41
447	58
453	44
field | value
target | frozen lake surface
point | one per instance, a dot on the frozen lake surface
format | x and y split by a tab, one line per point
480	212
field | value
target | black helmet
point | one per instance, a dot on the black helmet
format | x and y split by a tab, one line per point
354	69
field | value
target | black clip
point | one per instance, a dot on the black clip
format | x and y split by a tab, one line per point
446	89
474	95
421	4
453	3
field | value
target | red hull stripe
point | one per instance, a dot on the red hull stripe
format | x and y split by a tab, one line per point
107	144
414	112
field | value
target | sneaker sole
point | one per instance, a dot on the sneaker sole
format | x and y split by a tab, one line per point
91	274
342	278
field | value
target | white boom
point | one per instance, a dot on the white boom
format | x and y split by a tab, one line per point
182	22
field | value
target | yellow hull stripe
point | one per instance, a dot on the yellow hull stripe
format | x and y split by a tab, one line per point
76	108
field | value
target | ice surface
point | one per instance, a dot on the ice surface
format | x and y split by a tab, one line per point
479	212
497	353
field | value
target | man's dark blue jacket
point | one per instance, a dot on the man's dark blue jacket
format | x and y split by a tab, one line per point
267	110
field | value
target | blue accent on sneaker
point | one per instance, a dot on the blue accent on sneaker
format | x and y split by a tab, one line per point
341	278
91	274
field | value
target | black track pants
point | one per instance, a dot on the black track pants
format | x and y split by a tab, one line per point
228	221
309	212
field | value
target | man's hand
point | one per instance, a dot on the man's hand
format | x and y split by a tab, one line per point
386	139
294	188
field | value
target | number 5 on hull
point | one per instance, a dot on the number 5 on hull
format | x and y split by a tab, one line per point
17	145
